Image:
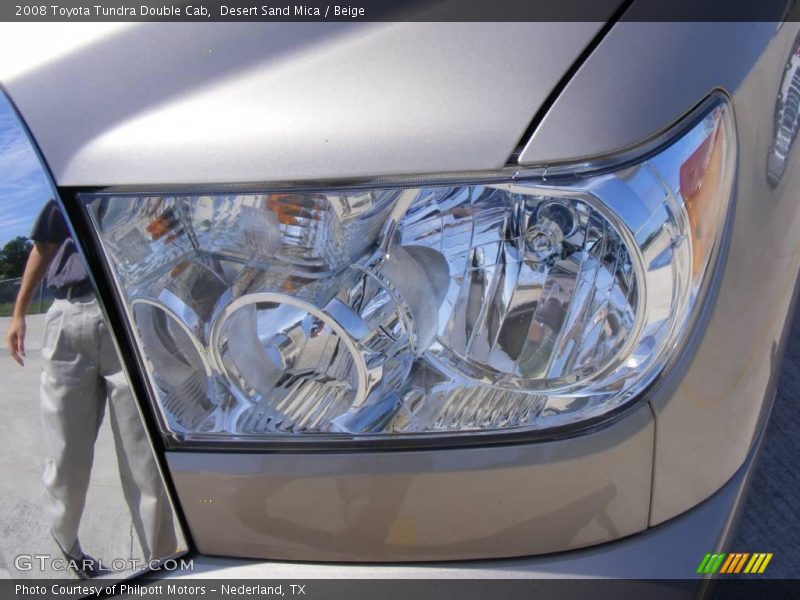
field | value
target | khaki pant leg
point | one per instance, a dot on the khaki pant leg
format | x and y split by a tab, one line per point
72	406
142	484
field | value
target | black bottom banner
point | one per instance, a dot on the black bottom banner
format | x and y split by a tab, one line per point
399	589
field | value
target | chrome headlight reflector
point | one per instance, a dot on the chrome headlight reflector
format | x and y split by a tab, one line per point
508	301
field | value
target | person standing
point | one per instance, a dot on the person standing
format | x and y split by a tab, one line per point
81	375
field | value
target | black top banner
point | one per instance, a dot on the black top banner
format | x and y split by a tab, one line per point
397	10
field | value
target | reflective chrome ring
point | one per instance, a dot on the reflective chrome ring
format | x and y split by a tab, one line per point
346	324
201	351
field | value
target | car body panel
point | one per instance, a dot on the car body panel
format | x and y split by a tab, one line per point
705	427
641	78
238	102
671	550
445	504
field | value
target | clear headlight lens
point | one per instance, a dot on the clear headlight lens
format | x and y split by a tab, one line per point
505	301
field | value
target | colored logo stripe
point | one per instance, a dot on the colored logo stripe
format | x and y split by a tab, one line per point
704	564
711	563
734	562
758	563
732	559
739	566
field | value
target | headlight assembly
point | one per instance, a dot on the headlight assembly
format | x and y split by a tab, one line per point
507	301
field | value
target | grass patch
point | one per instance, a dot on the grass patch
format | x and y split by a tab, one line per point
7	308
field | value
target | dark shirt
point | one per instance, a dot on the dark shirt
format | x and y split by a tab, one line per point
67	268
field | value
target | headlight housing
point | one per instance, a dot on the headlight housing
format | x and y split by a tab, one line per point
518	300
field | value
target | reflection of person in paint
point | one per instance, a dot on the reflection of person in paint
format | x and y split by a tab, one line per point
81	374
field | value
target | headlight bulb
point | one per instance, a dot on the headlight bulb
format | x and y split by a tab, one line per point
342	357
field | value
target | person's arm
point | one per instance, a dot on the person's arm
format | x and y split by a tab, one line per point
39	260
